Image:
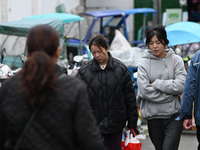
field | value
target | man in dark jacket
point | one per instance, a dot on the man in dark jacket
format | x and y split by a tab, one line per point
111	93
191	96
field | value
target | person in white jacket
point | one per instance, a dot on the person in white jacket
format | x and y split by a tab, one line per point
161	78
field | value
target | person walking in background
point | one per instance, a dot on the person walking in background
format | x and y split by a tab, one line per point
58	105
161	77
191	95
111	92
195	16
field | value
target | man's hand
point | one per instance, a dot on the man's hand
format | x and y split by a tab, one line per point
187	124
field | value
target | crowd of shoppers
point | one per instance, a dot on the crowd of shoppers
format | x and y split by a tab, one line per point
42	108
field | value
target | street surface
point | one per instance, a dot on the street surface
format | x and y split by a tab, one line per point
188	142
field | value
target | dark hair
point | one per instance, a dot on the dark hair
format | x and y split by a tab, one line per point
160	32
100	41
37	77
196	6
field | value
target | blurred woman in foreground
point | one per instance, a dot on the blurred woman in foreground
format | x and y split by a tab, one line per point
58	106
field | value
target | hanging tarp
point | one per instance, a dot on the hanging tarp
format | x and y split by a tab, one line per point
66	18
21	28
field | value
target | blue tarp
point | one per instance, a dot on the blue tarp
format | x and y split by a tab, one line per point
144	11
66	18
105	13
21	28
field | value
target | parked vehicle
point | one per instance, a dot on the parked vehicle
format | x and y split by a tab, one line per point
68	21
119	22
13	43
105	22
73	68
13	36
92	24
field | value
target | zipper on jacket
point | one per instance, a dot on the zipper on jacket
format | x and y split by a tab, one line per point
106	71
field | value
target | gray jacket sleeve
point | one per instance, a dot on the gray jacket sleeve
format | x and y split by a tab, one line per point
146	91
173	86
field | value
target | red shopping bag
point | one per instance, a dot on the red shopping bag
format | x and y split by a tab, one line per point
122	145
132	143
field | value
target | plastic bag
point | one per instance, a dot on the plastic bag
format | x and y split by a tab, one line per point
132	143
120	42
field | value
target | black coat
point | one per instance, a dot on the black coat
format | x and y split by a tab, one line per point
64	123
111	93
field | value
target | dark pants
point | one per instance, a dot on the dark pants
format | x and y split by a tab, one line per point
112	141
198	135
165	133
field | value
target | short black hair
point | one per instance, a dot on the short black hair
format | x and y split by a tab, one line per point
100	41
160	32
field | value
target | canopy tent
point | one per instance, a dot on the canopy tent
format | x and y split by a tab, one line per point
105	13
66	18
144	11
21	28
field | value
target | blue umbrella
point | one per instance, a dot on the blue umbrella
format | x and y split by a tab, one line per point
183	33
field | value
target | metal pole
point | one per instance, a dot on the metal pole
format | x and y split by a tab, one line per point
133	22
158	16
125	29
144	26
101	25
160	12
155	19
81	44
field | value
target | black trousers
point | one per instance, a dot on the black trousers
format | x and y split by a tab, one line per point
165	133
112	141
198	135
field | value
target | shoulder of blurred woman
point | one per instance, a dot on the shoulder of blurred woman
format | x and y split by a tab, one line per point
86	66
11	82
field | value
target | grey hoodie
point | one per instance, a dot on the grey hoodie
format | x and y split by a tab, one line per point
167	75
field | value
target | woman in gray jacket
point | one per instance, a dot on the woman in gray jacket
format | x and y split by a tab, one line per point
161	78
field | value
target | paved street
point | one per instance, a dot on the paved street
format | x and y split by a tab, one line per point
188	142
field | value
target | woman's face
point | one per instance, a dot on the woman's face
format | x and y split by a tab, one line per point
100	54
157	48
